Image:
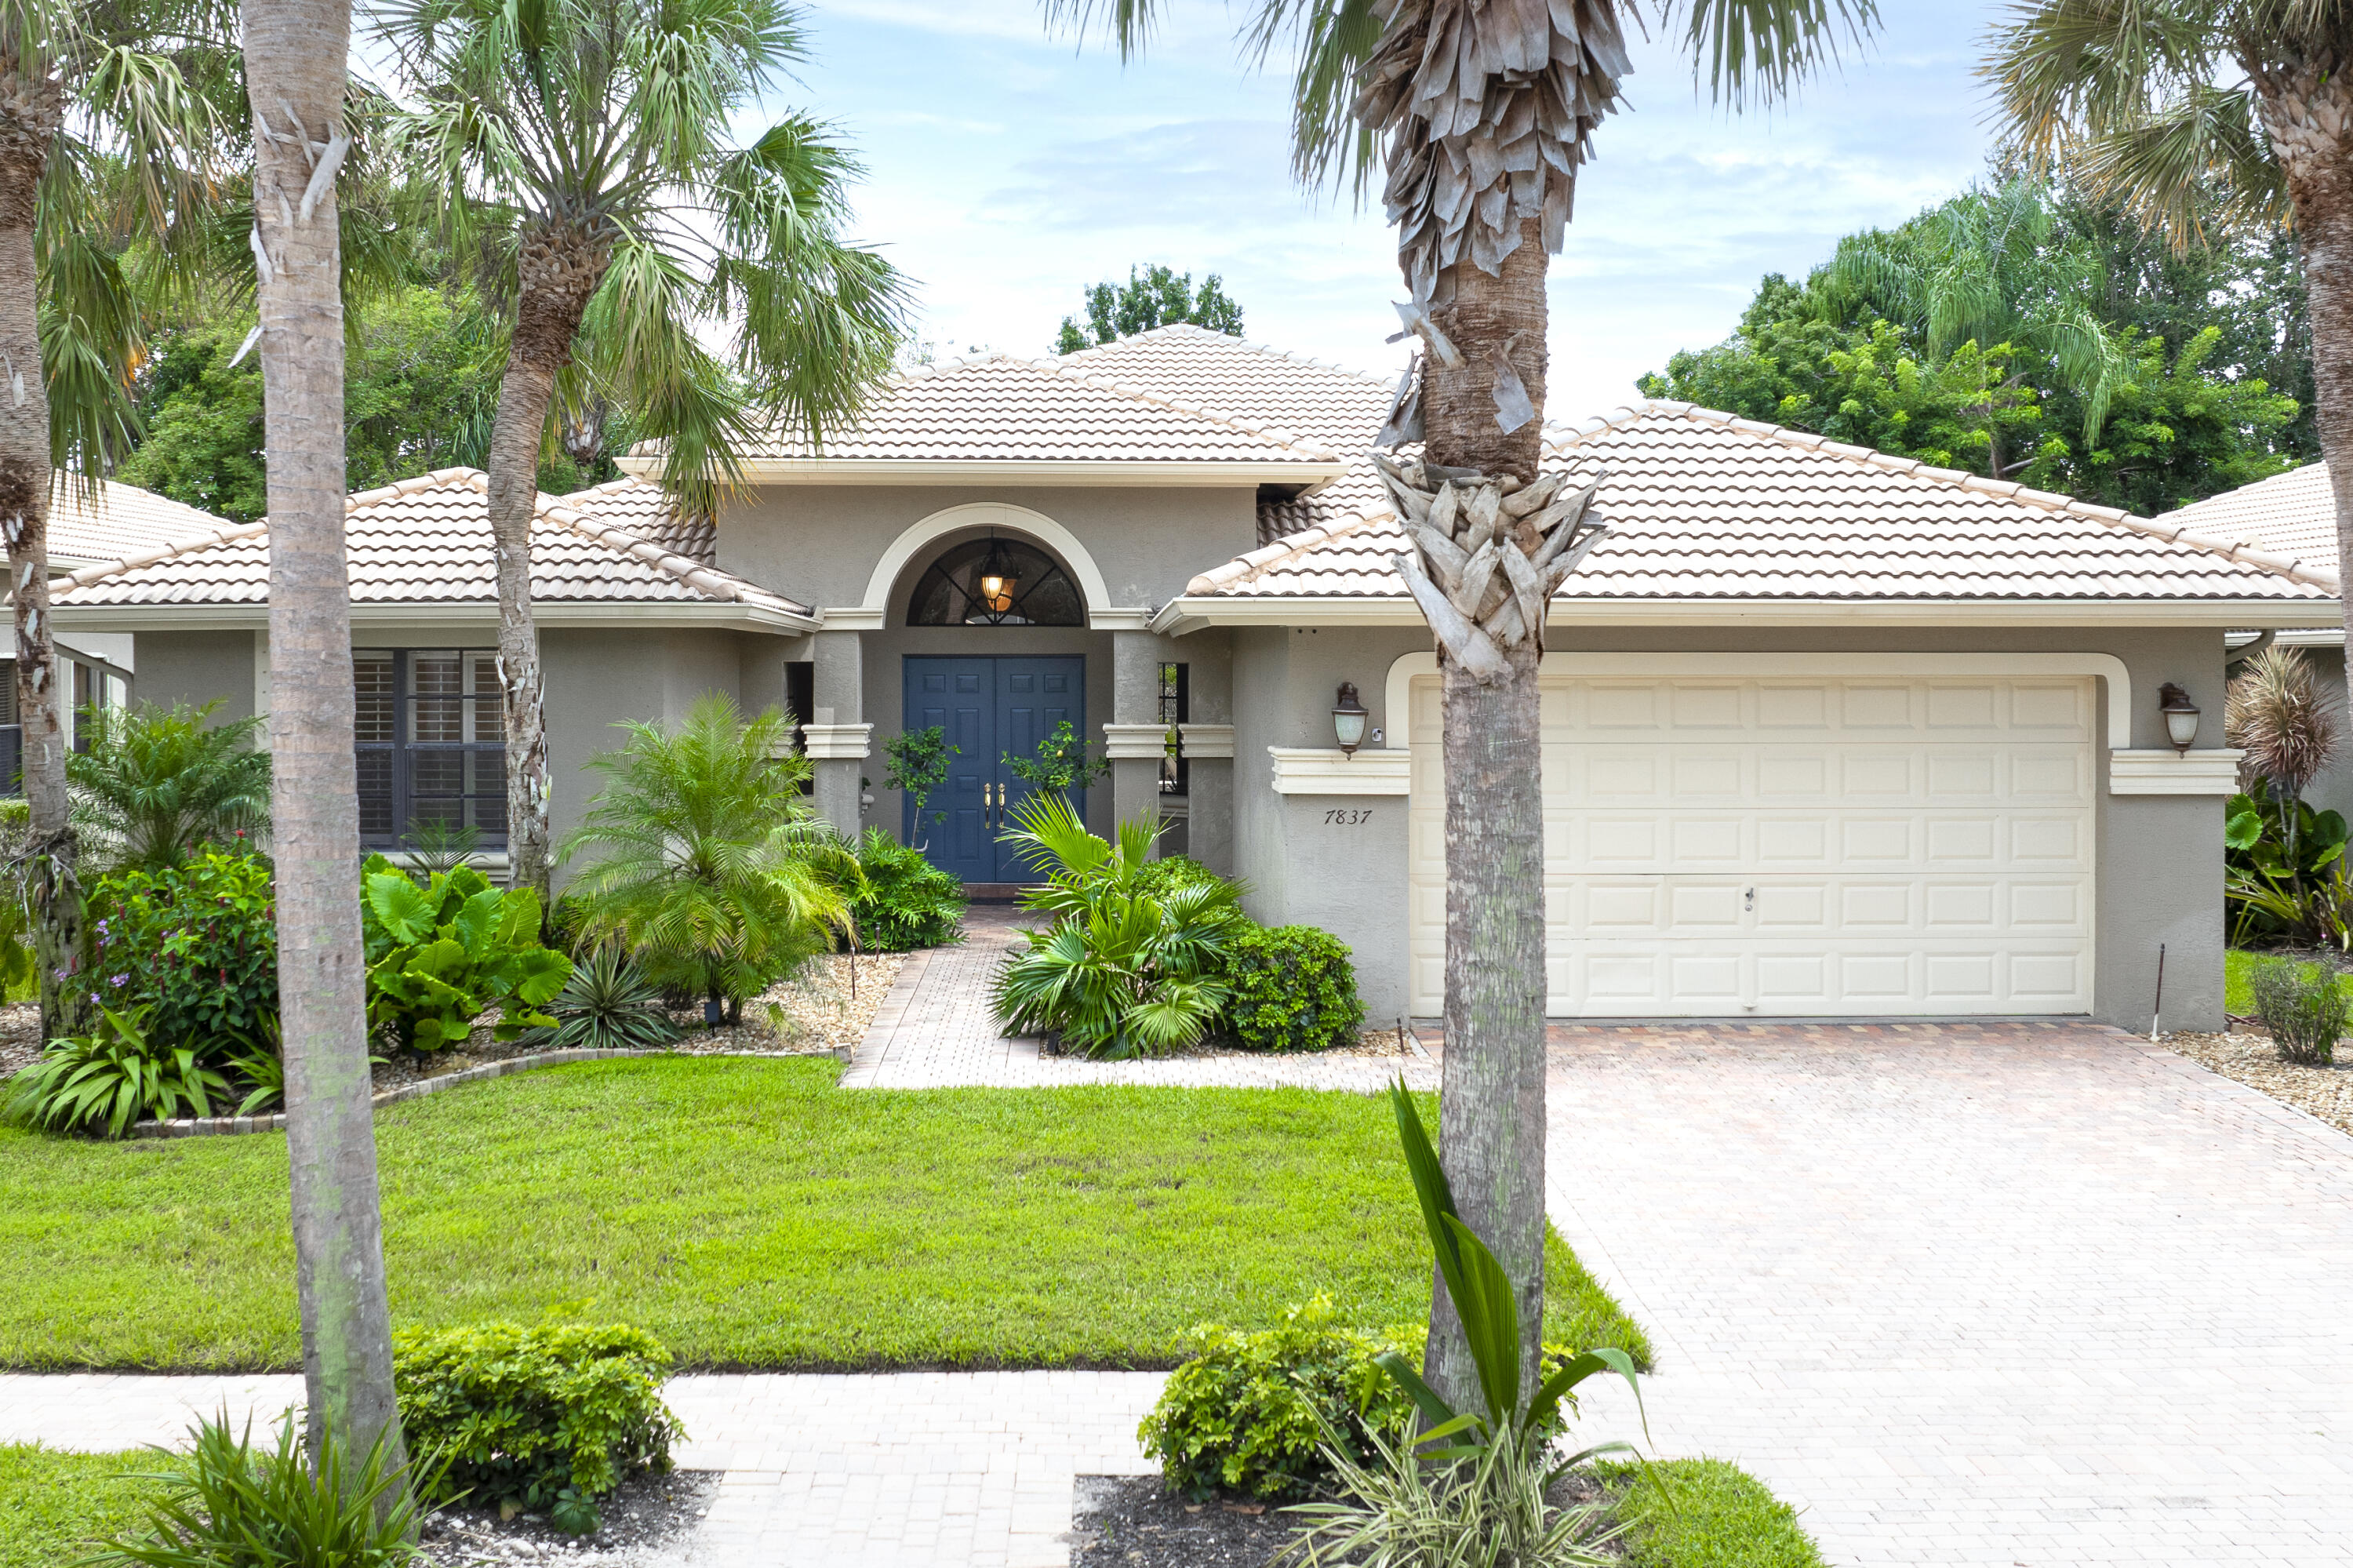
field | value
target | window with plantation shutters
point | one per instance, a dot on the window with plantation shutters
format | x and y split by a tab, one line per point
429	731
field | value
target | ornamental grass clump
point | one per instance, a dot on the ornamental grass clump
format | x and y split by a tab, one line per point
2305	1007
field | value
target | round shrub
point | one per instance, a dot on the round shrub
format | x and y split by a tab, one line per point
908	901
526	1415
1293	989
2305	1007
194	945
1159	878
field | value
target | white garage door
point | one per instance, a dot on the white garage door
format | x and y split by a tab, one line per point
1759	845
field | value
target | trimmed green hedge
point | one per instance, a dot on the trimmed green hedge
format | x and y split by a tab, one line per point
1293	989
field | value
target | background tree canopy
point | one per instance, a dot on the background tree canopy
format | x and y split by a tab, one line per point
2023	332
1152	297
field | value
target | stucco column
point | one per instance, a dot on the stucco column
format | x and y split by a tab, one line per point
837	731
1136	740
1209	745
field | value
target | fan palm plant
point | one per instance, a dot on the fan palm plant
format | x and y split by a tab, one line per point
158	784
1480	112
582	149
709	863
109	116
2199	112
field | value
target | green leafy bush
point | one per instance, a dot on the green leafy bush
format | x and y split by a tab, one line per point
2284	866
227	1502
1166	875
607	1005
522	1416
1118	973
114	1075
1293	989
2303	1006
440	956
907	901
193	947
1249	1411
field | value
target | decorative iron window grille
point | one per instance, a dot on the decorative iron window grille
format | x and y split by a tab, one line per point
431	729
996	582
1175	708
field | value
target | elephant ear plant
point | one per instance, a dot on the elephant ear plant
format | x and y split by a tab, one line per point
442	955
1472	1484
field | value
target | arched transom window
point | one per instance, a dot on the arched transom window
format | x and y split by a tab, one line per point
996	582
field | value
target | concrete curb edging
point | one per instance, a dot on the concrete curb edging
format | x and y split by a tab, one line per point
232	1126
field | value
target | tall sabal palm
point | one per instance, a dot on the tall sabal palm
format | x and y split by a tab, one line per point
2202	112
295	78
585	146
1982	267
1480	112
107	122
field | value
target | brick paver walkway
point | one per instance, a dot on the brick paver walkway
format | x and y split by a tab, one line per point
2000	1295
935	1030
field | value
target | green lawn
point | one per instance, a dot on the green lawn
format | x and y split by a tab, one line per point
54	1507
1712	1515
750	1215
2238	991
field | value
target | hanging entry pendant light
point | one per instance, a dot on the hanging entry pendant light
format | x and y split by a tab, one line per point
999	578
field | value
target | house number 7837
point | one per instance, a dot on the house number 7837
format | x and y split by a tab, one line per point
1346	818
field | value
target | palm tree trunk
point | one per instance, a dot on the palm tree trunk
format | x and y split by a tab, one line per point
295	52
1491	1114
558	268
29	118
2307	112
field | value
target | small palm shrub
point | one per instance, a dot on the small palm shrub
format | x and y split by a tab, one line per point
708	862
116	1075
607	1005
1293	989
2305	1007
907	902
553	1416
225	1501
192	946
442	955
158	785
1118	973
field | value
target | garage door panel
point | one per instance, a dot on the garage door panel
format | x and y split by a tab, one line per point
1801	846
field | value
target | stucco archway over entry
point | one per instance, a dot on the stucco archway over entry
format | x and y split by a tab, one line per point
917	543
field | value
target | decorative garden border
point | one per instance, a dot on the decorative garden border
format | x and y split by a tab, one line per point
231	1126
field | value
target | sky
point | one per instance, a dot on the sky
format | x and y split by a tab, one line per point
1007	170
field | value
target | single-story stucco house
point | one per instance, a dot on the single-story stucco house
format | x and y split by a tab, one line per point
1828	733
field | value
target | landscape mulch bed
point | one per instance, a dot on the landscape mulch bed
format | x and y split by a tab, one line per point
646	1524
2253	1058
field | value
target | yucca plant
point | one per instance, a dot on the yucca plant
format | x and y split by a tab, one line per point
158	784
2276	713
112	1077
1122	971
710	864
607	1005
227	1502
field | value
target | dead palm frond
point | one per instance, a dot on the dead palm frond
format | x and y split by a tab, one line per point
2278	714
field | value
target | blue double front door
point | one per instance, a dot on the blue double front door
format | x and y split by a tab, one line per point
988	707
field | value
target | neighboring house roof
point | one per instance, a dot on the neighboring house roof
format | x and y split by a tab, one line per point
646	510
423	545
1703	506
121	520
2291	514
1038	420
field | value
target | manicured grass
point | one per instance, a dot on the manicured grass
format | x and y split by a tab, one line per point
1712	1515
750	1215
54	1507
2238	990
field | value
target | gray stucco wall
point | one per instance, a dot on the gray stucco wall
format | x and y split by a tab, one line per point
2159	866
820	544
194	667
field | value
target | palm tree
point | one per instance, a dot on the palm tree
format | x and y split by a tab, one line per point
158	785
294	56
105	126
1481	111
583	146
2194	112
712	865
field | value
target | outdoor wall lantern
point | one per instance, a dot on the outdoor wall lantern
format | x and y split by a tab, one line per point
2181	717
1348	717
998	578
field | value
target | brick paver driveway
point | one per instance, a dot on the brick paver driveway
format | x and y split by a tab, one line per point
2003	1295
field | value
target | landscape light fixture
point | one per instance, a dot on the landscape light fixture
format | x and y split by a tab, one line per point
2181	717
1348	717
998	578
